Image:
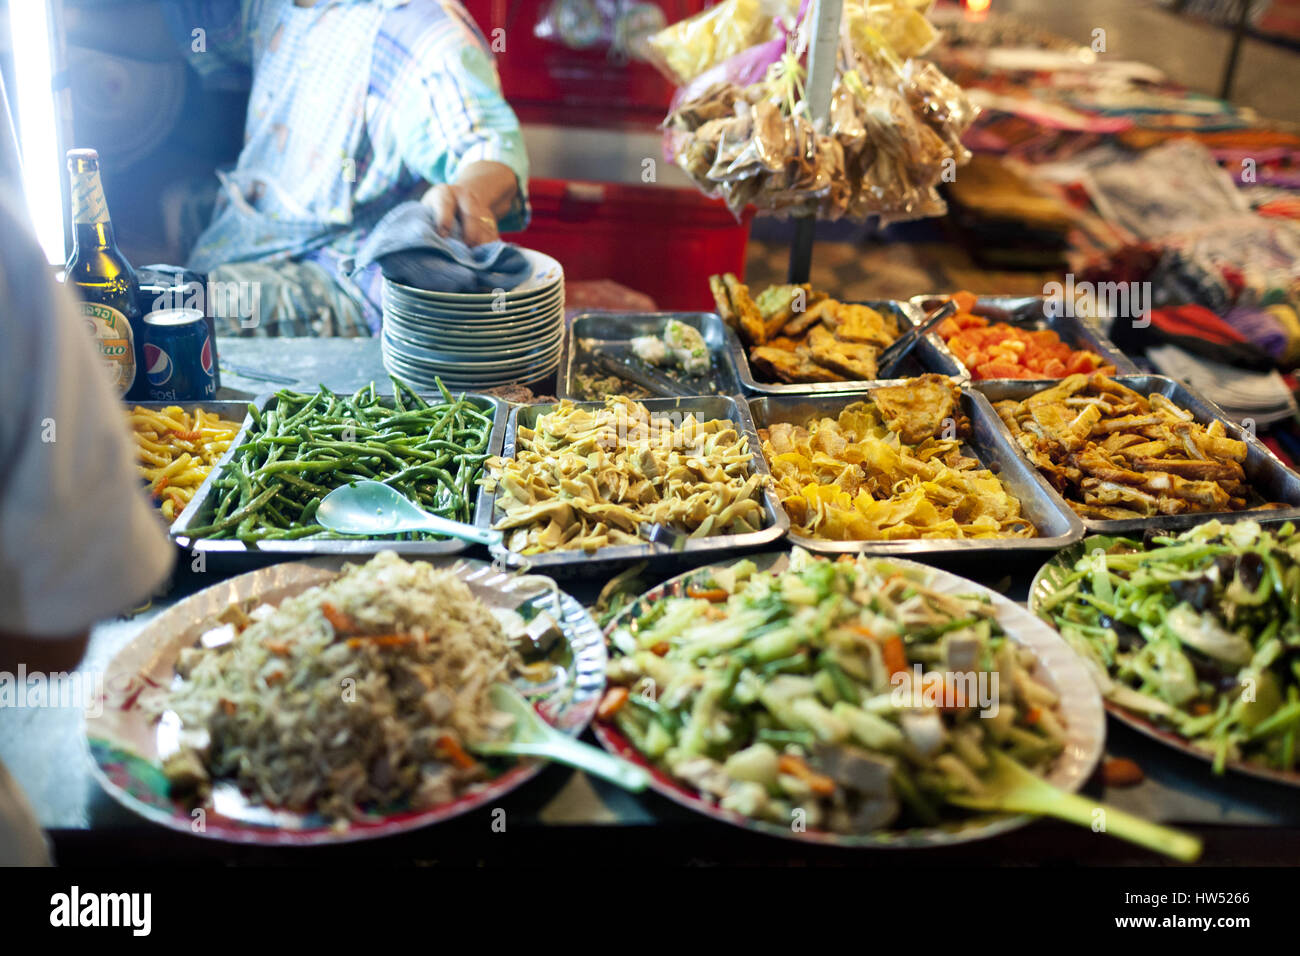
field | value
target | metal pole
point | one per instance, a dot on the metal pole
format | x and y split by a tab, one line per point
821	72
1234	50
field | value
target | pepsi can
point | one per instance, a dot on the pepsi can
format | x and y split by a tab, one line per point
180	356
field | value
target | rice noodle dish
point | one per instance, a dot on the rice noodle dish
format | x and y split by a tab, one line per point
358	695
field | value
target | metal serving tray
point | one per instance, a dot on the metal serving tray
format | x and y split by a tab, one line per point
618	328
1273	480
989	442
203	503
705	408
1029	312
929	355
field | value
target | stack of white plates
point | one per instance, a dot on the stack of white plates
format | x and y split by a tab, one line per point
476	340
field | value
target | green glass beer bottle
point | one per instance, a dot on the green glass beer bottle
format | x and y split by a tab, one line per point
103	278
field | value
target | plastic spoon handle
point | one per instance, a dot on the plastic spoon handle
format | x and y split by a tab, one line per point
1015	790
456	529
574	753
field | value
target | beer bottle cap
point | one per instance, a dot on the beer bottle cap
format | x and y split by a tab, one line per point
76	156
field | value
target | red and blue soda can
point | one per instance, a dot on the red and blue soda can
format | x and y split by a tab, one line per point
180	356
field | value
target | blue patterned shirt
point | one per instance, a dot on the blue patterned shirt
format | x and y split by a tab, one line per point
355	106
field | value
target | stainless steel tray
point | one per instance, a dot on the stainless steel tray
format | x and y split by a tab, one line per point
617	328
704	408
989	442
1029	312
929	355
1273	480
203	503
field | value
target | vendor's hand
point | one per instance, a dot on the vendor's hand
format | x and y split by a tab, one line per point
460	214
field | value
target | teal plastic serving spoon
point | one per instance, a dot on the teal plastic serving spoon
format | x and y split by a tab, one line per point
373	508
533	737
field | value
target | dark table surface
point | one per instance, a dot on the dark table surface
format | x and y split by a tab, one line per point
564	813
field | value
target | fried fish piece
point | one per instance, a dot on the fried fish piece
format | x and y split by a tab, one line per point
1096	491
749	319
723	301
737	309
779	304
854	361
919	409
783	343
815	313
790	367
861	324
1200	470
1062	390
1092	462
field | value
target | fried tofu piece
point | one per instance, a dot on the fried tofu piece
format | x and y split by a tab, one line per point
853	361
862	325
919	409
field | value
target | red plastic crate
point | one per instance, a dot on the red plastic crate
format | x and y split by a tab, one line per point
661	241
548	82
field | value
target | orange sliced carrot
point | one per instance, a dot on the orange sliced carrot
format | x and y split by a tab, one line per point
818	783
713	595
614	700
382	640
341	623
447	746
894	654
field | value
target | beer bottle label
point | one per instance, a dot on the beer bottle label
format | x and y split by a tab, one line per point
115	341
88	202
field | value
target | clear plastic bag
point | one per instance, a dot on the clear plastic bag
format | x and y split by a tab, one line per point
692	46
742	133
624	27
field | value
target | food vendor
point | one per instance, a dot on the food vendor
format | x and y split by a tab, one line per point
78	539
355	107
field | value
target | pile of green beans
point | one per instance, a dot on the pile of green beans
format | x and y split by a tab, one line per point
302	446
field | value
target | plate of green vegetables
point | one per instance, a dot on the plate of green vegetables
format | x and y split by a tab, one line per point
1194	639
859	702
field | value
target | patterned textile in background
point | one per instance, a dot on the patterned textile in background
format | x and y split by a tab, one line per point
1260	328
300	299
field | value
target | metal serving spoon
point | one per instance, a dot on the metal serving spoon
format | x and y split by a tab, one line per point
533	737
373	508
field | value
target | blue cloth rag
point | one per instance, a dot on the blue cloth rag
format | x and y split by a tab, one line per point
409	250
